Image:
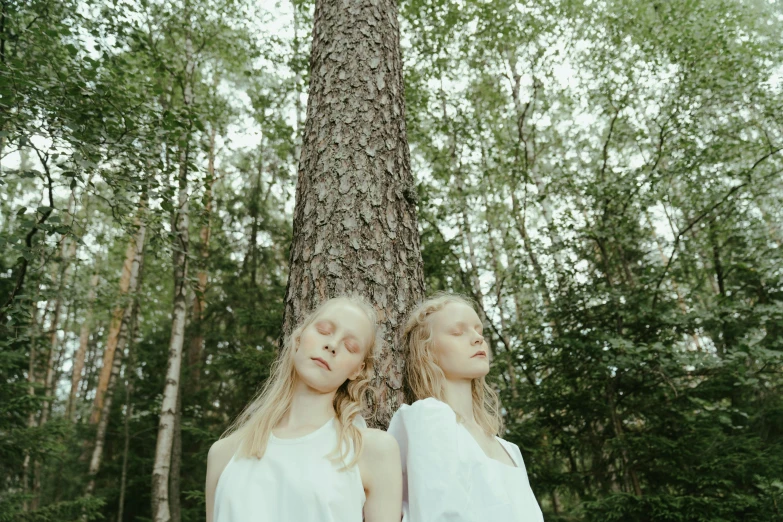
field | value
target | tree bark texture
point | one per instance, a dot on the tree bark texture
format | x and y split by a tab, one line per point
355	227
162	465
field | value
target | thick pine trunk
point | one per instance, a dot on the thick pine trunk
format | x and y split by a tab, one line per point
78	357
162	465
355	223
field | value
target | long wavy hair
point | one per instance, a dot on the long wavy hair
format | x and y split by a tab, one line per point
424	378
254	425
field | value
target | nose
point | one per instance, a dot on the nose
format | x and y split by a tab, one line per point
479	339
329	347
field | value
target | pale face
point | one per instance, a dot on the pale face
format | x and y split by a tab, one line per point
458	346
332	348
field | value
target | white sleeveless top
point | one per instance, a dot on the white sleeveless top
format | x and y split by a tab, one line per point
447	476
294	481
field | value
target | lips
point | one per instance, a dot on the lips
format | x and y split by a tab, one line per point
321	363
480	353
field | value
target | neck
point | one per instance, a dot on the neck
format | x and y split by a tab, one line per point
459	395
309	407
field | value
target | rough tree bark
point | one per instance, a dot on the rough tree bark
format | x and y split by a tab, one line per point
355	225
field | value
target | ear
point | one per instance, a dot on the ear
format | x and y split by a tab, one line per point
357	372
296	343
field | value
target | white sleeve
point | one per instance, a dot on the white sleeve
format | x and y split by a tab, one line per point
435	487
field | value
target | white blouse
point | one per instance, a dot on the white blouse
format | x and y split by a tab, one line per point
448	477
294	481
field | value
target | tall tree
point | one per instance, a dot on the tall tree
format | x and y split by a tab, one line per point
161	511
355	226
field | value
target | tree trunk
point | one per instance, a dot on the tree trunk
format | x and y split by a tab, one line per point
67	251
519	219
90	360
128	322
529	156
130	369
78	357
196	347
128	284
296	51
176	465
31	392
162	464
355	223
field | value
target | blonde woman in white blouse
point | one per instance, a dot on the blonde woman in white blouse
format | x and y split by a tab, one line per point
301	452
455	467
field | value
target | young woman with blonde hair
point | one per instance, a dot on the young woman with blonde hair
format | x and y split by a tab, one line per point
301	450
455	467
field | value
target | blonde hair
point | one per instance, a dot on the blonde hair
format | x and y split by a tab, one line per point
424	378
255	423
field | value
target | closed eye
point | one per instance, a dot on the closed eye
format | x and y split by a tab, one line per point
323	329
352	346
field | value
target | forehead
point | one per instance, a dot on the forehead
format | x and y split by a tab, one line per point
454	313
348	316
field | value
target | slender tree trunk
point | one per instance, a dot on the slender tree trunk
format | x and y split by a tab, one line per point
196	347
31	421
130	378
91	361
103	423
126	444
496	272
67	251
78	357
355	223
519	219
527	144
162	464
128	320
128	281
297	85
176	465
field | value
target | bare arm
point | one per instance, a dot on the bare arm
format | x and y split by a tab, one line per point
381	473
219	456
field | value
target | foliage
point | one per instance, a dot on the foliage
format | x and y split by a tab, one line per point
603	178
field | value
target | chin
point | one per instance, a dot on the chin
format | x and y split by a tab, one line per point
314	378
481	370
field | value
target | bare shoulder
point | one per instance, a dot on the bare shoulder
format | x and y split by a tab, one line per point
378	443
222	450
